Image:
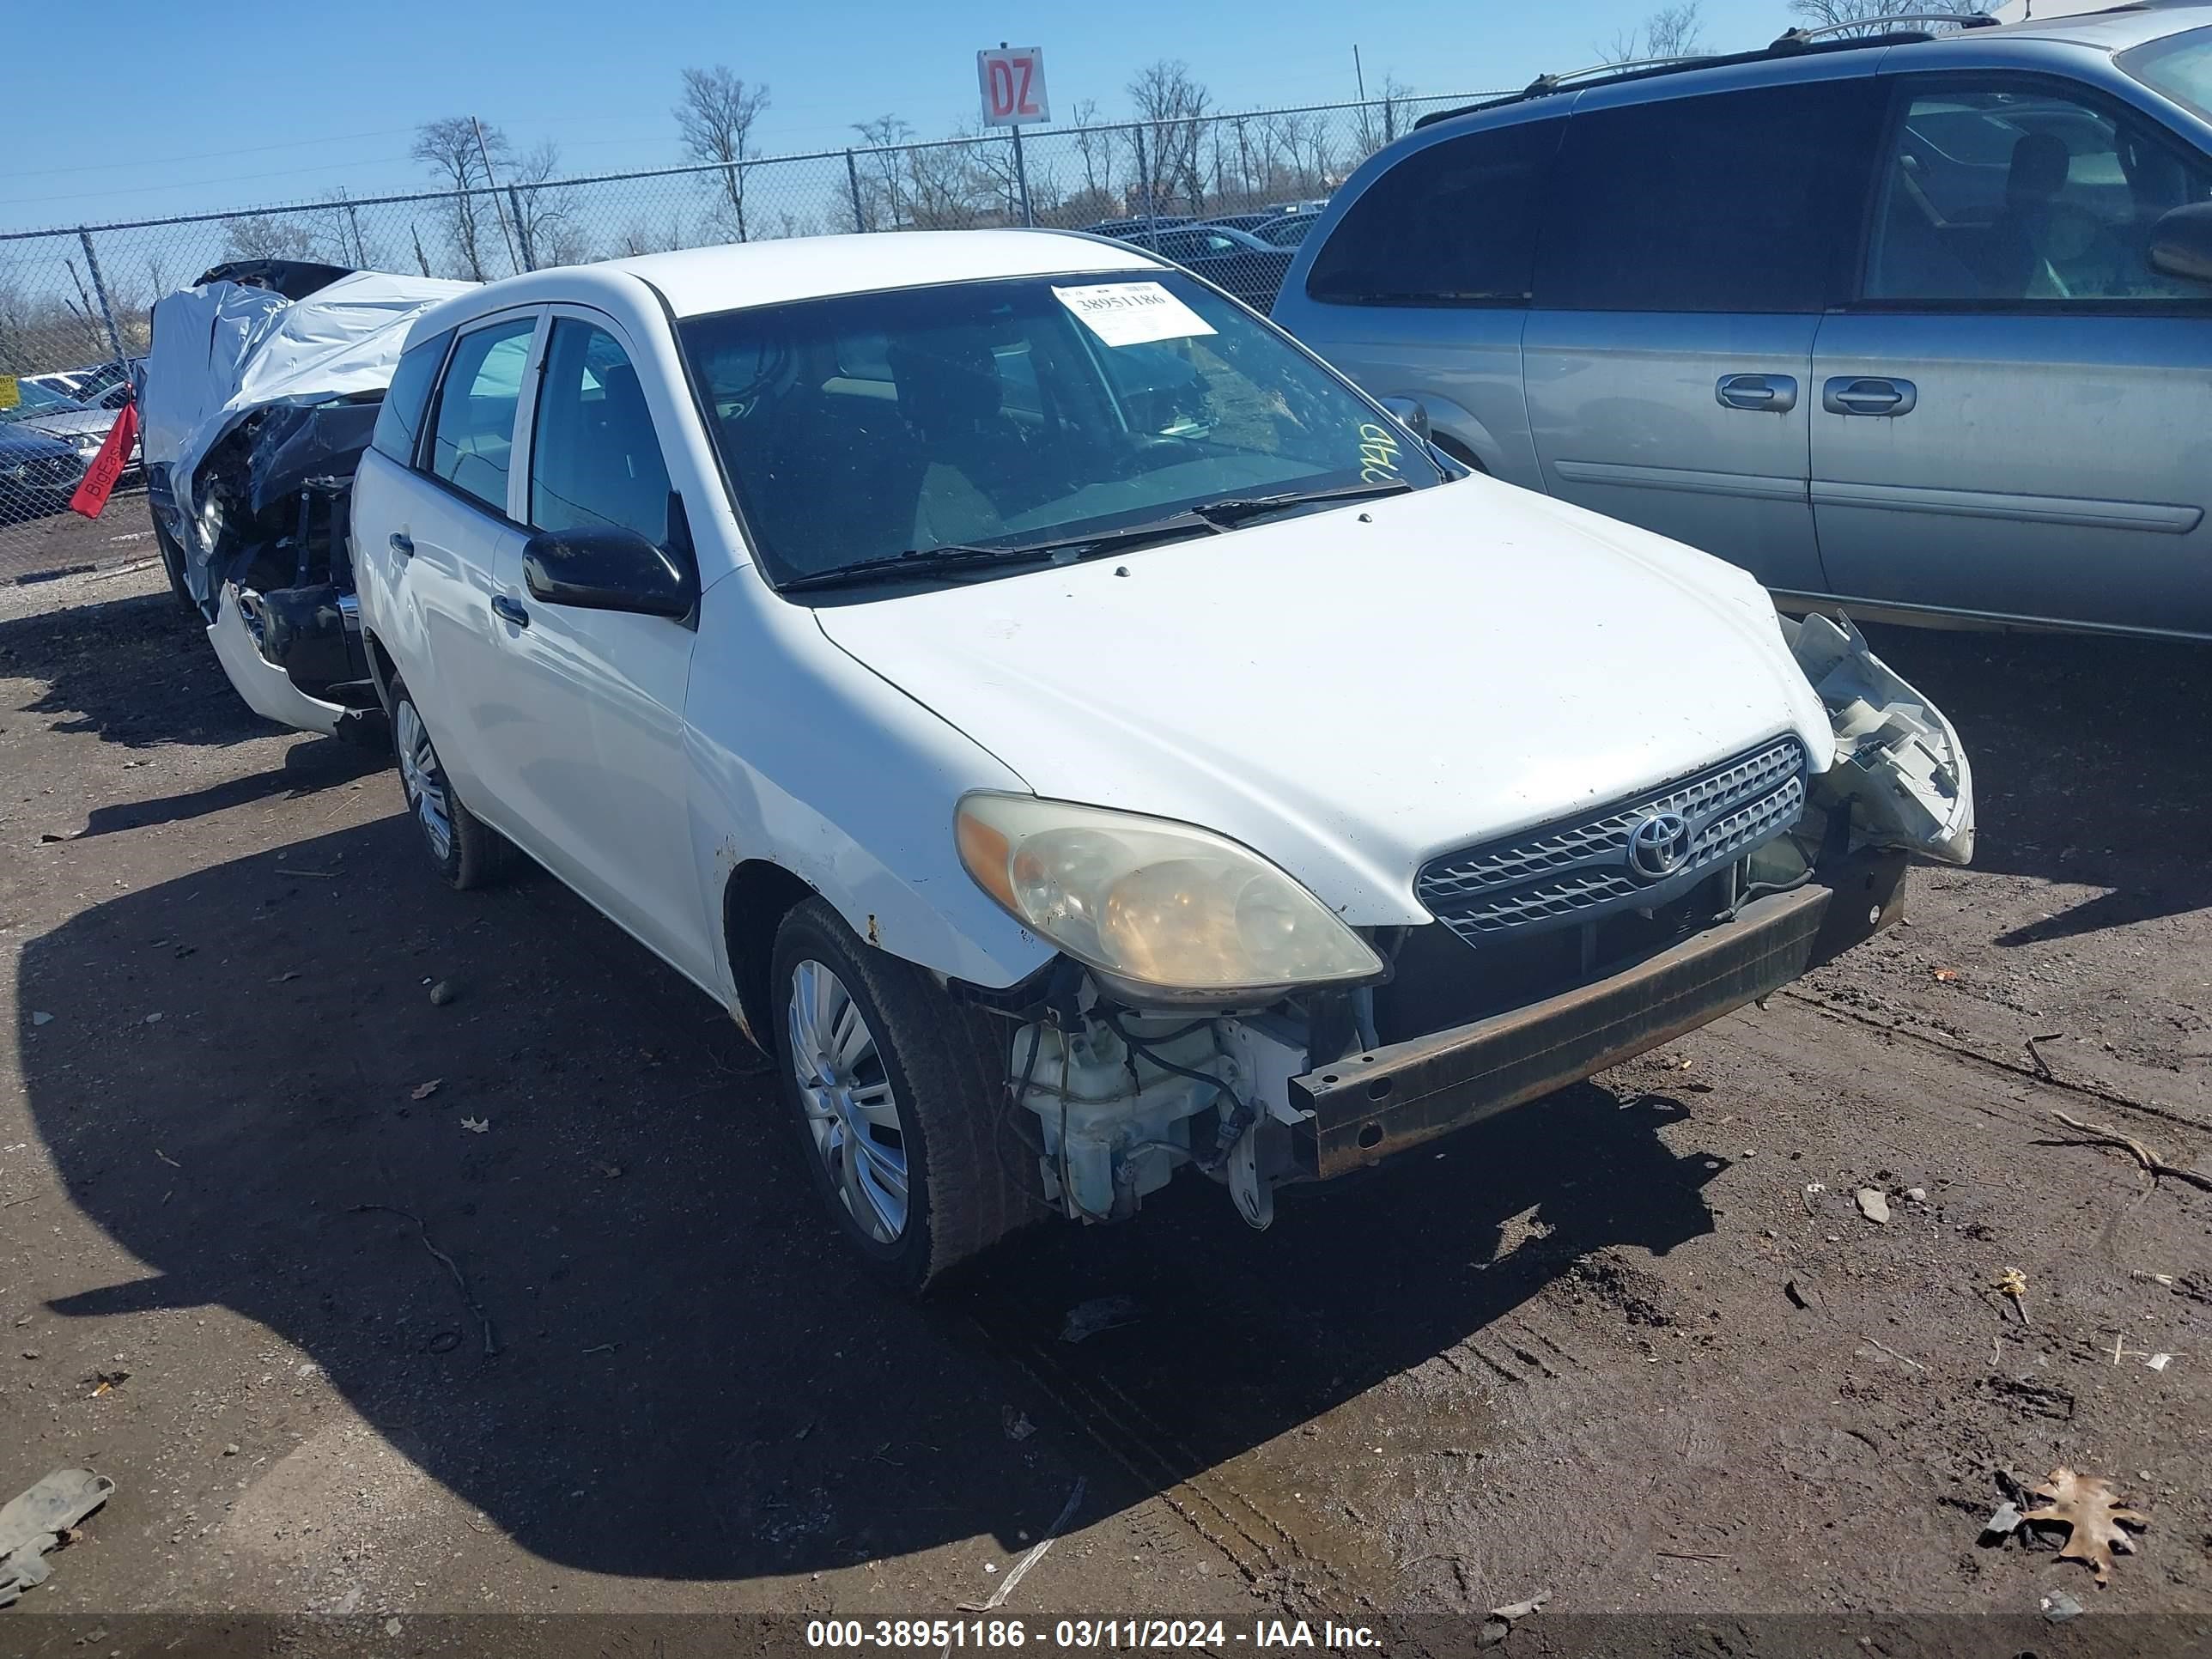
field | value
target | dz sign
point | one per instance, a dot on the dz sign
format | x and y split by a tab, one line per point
1011	80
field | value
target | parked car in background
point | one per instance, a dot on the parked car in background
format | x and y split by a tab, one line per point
38	474
52	414
1230	258
1286	231
1922	327
1245	222
111	385
1079	735
65	381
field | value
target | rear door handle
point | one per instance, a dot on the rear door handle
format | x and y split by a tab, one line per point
403	543
1863	394
1774	393
508	609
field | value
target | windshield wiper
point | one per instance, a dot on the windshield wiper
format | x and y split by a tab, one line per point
1236	509
916	562
924	561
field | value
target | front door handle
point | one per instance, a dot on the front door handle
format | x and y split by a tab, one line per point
1864	394
508	609
1774	393
403	543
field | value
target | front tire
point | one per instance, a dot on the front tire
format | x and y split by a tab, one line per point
896	1092
467	851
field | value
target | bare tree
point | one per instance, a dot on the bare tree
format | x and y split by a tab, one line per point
544	223
462	151
883	191
270	236
1676	31
715	120
1171	109
1382	120
1872	14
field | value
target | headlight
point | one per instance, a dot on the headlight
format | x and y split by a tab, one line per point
1157	905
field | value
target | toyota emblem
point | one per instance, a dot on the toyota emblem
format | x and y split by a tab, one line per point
1658	846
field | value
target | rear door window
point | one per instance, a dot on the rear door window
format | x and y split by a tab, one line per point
1736	201
399	421
473	440
1453	223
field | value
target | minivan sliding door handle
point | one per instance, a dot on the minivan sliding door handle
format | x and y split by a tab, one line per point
509	610
1776	394
1868	394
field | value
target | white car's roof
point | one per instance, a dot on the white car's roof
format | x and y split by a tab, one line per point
697	280
707	279
768	273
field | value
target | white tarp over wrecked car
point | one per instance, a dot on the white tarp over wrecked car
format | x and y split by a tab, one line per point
223	350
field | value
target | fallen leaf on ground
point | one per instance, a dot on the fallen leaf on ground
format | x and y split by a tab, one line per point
2089	1506
1947	975
1101	1313
475	1125
424	1091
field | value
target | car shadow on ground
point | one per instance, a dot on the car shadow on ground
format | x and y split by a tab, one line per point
137	672
2092	760
690	1380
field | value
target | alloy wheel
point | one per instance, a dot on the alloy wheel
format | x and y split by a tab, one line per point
423	779
851	1109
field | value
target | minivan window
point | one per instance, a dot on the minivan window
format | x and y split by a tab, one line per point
400	419
1453	223
474	431
595	459
2020	194
1002	414
1726	202
2180	66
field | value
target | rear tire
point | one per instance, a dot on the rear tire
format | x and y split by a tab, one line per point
895	1092
467	851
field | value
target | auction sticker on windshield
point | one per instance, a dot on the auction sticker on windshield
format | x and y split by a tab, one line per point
1131	313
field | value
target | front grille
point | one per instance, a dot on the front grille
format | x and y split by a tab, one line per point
1578	870
51	471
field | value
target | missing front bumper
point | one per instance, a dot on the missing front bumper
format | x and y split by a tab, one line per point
1365	1107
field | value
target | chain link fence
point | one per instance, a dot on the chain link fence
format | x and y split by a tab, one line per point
74	302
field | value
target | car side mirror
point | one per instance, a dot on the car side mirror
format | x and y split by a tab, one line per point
1413	413
602	568
2181	243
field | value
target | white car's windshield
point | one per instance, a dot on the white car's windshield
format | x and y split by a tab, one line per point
1011	416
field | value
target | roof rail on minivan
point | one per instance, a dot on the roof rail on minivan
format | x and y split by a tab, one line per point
1795	43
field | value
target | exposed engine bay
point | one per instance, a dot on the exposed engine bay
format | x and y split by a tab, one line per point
1557	965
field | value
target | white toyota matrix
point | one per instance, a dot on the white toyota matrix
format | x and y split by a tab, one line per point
1080	734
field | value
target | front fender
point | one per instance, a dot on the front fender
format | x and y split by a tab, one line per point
803	758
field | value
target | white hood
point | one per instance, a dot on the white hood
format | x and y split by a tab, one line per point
1352	691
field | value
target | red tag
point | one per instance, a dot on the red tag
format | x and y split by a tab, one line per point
107	466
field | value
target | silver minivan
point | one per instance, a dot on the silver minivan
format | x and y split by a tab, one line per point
1923	326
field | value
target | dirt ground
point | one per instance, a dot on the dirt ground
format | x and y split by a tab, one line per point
519	1304
37	551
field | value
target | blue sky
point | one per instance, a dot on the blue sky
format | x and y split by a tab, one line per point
221	107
